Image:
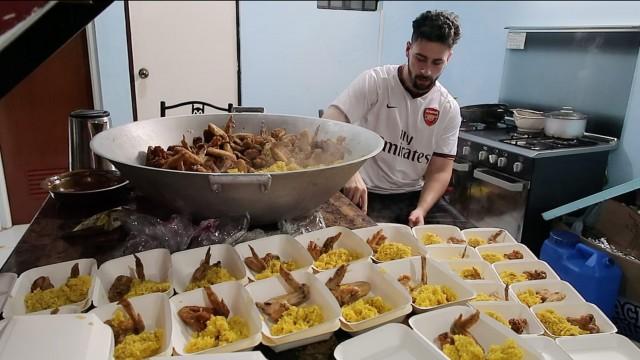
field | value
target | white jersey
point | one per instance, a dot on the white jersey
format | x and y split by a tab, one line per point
413	130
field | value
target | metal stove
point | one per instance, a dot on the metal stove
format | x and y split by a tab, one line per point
503	178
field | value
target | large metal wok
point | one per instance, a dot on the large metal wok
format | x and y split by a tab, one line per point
266	197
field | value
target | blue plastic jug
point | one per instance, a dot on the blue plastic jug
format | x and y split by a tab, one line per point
557	247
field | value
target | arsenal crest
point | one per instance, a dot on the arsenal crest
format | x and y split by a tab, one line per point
430	116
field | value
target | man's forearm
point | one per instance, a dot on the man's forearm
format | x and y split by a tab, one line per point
436	181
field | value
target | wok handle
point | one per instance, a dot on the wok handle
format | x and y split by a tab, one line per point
217	181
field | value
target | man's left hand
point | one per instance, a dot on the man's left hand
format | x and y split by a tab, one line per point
416	218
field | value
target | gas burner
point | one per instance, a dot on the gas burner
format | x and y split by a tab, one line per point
476	126
540	142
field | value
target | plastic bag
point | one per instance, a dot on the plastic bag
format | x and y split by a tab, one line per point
147	232
220	231
302	224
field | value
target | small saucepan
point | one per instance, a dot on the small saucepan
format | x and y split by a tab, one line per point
91	185
565	123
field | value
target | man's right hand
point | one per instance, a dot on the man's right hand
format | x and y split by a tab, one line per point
356	190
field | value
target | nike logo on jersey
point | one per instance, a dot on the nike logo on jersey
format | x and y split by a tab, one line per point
391	107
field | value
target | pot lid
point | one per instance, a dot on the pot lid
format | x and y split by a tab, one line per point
566	113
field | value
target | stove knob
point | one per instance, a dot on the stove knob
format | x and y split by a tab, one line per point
517	167
466	150
493	158
482	155
502	161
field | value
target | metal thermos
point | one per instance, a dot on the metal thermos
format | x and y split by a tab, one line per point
83	126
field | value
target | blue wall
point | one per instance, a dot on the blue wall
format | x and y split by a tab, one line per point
295	58
113	62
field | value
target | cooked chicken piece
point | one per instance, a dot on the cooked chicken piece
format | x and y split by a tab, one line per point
314	250
273	308
445	339
494	237
464	252
41	283
535	274
120	287
474	275
200	273
585	322
376	240
405	280
254	262
75	271
518	325
217	305
455	240
346	293
461	326
330	242
138	324
423	274
514	255
195	317
276	306
139	268
548	296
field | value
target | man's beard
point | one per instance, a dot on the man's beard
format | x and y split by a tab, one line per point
421	83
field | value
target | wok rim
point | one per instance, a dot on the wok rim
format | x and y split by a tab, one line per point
377	150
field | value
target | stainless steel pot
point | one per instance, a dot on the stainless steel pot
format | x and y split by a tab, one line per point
266	197
565	123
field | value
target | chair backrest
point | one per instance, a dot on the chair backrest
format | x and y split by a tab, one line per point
197	107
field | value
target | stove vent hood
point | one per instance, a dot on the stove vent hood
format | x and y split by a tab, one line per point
31	31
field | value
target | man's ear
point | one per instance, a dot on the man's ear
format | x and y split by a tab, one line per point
406	50
450	55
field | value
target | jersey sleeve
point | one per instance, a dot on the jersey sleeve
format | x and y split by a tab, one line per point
357	99
447	141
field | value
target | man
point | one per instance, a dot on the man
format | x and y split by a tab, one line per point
415	115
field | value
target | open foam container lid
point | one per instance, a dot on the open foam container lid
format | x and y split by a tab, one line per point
519	266
485	233
577	309
487	272
599	346
240	304
572	295
443	231
397	233
503	248
509	310
58	274
184	263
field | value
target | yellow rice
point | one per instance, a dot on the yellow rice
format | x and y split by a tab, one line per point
486	297
469	273
392	251
432	295
335	258
558	324
215	274
141	346
219	332
476	241
73	291
465	348
139	287
492	257
495	315
296	319
364	309
529	297
273	268
429	238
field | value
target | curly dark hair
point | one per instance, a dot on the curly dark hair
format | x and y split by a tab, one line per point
437	26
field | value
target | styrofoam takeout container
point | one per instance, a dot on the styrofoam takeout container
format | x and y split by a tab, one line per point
85	338
390	341
489	287
244	355
436	274
505	248
577	309
443	231
485	233
157	267
154	310
548	348
572	294
58	274
452	252
7	280
391	292
240	304
486	331
600	346
184	263
518	266
486	271
509	310
261	291
348	240
285	246
396	233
